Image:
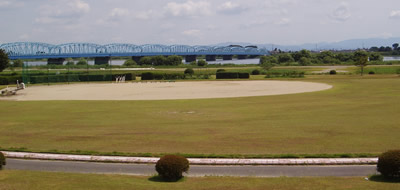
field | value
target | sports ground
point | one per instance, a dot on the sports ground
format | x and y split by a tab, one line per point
166	90
357	115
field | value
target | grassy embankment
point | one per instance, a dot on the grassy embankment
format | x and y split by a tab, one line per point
45	180
359	115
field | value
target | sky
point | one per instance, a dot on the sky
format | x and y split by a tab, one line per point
197	22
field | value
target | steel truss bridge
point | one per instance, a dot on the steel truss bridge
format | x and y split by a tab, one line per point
34	50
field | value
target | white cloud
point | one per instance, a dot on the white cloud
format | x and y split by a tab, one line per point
189	9
144	15
24	37
341	14
283	21
115	16
5	3
192	33
231	8
395	14
11	3
62	11
118	13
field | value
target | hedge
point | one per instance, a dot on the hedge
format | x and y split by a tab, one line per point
7	80
77	78
232	75
162	76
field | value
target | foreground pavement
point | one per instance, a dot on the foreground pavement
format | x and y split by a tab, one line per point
195	161
195	170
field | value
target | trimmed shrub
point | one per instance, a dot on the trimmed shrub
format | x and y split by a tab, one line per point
2	160
7	80
202	63
221	70
389	164
227	75
162	76
232	75
244	75
332	72
255	72
171	167
371	73
189	71
147	76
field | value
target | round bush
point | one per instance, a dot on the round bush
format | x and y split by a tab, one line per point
332	72
2	160
189	71
255	72
389	164
371	73
171	167
221	70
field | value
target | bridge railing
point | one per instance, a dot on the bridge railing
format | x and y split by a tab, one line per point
21	50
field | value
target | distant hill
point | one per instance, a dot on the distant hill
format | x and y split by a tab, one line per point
342	45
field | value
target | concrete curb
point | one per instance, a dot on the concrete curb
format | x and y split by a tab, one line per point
195	161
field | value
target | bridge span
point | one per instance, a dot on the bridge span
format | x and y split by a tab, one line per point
102	53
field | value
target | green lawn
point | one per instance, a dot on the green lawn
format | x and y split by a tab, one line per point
54	181
359	115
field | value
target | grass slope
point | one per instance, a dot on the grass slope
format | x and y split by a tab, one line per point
356	116
57	181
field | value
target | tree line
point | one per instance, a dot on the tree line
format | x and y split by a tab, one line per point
394	50
305	57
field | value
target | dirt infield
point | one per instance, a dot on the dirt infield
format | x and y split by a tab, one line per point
165	91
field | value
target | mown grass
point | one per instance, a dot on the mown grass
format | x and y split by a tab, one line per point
359	115
56	181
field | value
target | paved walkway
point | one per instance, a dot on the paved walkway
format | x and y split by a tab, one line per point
195	161
195	170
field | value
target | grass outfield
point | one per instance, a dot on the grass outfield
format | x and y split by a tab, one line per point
52	181
356	116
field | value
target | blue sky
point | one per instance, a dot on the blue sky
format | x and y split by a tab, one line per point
197	22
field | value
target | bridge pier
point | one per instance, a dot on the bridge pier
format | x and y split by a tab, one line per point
242	56
227	57
137	58
55	61
190	58
211	57
101	60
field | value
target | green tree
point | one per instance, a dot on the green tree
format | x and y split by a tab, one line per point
189	71
18	63
304	61
395	46
145	61
174	60
344	57
267	62
375	57
4	61
271	59
202	63
285	58
82	62
129	63
70	63
300	54
374	49
193	63
159	60
361	60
